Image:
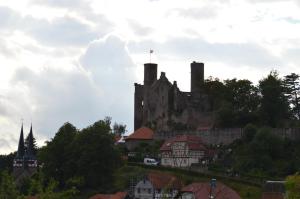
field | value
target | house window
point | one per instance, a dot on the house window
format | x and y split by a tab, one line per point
139	190
149	190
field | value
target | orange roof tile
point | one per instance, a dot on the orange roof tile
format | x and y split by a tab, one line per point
162	180
202	190
194	142
118	195
143	133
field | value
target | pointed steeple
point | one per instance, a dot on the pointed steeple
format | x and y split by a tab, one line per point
29	148
21	148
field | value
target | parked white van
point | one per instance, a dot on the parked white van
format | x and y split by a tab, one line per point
150	161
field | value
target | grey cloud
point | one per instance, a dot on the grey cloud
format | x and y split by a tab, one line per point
139	29
110	65
3	108
205	12
103	87
293	55
4	144
61	3
61	31
9	19
250	54
6	50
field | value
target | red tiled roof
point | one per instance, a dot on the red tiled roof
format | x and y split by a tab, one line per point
194	142
118	195
270	195
162	180
142	133
202	190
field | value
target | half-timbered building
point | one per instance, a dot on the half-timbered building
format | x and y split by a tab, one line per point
182	151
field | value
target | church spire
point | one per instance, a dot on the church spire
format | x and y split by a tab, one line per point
30	150
21	148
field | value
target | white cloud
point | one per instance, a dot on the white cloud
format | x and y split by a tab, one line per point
103	86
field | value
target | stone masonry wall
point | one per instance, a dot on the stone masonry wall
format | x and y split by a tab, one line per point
226	136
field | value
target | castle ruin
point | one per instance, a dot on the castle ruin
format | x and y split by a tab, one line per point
160	105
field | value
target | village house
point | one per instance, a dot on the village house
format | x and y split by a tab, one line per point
157	185
183	151
204	190
141	135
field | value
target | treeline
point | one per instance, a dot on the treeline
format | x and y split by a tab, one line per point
273	102
73	164
260	153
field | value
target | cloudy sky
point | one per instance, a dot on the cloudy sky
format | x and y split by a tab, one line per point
77	60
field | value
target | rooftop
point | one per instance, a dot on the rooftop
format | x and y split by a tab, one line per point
194	142
162	180
202	190
143	133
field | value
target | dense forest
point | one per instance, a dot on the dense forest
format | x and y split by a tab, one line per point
274	102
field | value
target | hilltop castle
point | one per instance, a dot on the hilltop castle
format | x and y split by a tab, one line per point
25	162
159	104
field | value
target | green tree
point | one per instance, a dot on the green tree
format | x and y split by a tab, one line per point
55	156
249	132
215	90
293	186
8	189
274	108
96	156
243	96
119	129
35	148
292	91
83	159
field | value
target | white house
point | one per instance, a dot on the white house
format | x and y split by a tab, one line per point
182	151
157	185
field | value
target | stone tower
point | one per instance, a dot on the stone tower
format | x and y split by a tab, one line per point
197	76
25	162
150	76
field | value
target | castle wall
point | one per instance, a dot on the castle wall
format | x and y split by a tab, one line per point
226	136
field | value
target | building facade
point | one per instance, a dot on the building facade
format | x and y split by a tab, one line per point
183	151
161	105
157	185
25	163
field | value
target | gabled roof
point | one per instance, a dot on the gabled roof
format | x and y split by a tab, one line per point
161	180
193	142
202	190
143	133
21	147
118	195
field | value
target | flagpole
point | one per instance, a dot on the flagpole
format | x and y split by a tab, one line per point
151	51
